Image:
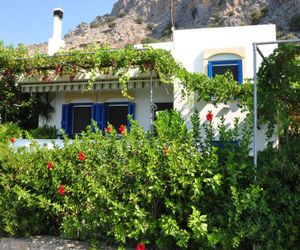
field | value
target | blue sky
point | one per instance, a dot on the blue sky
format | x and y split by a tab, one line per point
31	21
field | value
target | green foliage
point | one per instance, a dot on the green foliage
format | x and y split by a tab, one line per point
16	106
149	40
139	20
44	132
158	189
278	79
258	14
279	211
122	14
294	22
112	25
150	26
105	61
9	130
171	189
218	21
110	19
95	24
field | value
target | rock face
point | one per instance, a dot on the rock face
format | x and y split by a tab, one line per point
131	21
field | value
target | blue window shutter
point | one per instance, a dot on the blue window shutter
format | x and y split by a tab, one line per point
131	111
66	121
99	115
240	71
209	68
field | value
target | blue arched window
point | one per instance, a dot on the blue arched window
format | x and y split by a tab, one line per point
221	67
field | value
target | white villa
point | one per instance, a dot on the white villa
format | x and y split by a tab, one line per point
209	51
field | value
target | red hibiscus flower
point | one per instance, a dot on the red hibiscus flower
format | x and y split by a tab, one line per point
12	140
50	165
165	150
61	189
140	246
81	156
108	130
122	129
209	116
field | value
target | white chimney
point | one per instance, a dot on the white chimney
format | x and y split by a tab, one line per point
55	43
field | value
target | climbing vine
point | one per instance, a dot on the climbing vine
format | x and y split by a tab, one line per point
106	61
279	89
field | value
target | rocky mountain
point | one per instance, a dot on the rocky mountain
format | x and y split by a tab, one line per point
136	21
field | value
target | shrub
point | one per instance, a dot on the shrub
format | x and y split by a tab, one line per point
149	40
155	189
94	25
279	211
171	189
139	20
258	14
231	13
150	26
121	14
112	25
44	132
110	19
294	23
10	130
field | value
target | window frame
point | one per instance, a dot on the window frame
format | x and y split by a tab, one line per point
237	62
78	105
107	104
99	113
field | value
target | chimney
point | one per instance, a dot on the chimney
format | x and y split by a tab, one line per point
55	42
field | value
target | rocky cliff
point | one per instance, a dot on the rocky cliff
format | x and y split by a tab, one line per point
135	21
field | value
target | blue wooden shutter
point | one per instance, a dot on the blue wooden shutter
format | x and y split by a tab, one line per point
99	115
240	71
131	111
209	68
66	120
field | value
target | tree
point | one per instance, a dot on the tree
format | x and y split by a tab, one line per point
279	89
16	106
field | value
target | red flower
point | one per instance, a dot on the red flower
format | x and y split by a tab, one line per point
50	165
108	130
165	150
61	189
81	156
140	246
122	129
12	140
209	116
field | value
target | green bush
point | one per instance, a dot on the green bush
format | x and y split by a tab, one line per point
44	132
112	25
172	189
9	130
147	40
110	19
122	14
94	25
279	213
150	26
139	20
258	14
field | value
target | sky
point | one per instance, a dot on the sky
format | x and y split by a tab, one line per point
31	21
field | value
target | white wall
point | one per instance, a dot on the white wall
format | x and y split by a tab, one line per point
191	46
